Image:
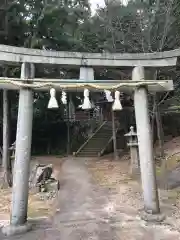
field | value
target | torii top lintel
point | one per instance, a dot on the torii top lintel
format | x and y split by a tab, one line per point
156	59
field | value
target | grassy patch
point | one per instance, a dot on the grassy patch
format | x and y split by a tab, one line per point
158	171
172	162
110	174
36	207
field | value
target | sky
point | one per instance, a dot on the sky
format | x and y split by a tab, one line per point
95	2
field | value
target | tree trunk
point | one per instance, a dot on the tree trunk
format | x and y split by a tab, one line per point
68	128
160	132
6	161
1	151
152	125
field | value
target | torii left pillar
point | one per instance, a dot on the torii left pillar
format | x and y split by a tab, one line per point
18	221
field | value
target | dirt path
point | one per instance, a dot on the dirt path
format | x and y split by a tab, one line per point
98	201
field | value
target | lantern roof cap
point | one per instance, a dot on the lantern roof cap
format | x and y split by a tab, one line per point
131	133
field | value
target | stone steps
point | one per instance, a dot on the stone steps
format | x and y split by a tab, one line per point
97	143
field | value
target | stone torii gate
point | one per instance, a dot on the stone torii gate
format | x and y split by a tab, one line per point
86	61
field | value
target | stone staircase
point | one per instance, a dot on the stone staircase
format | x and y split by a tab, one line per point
96	144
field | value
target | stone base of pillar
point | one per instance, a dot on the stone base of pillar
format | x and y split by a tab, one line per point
12	230
152	217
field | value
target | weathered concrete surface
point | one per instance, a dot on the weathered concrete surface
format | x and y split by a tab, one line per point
87	213
23	150
146	157
20	54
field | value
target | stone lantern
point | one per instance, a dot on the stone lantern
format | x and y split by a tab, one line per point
133	145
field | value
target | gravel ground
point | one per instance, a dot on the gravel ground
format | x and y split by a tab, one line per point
99	201
126	193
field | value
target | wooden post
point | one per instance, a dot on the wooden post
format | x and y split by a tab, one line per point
114	136
6	161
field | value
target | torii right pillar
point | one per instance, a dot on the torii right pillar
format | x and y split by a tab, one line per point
147	164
